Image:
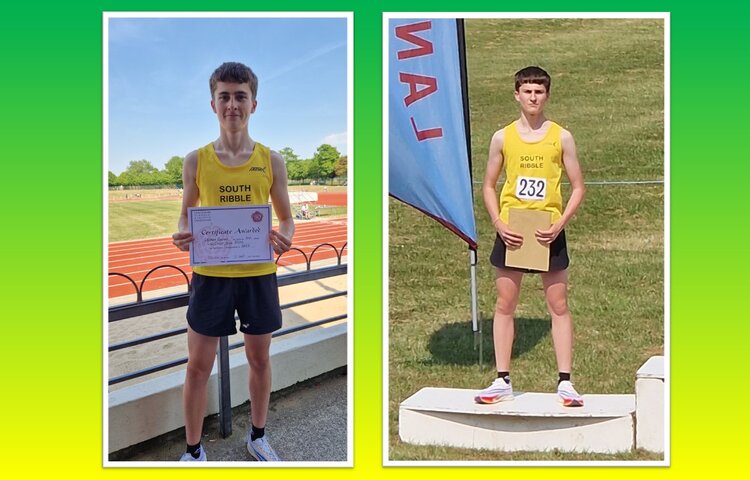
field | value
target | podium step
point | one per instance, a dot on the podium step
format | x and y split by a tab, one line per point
650	404
530	422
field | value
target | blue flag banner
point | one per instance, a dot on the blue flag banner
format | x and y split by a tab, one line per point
428	159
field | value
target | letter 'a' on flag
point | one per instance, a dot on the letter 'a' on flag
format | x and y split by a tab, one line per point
429	166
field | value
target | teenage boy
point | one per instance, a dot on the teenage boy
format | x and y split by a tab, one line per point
233	162
534	151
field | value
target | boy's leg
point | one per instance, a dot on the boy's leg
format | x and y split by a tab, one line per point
556	292
201	354
257	350
508	285
260	315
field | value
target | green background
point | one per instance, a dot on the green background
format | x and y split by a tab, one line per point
51	188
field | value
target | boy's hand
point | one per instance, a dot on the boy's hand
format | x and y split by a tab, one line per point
182	240
510	238
549	236
279	242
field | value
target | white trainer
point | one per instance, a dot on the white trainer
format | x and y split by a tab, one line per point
500	390
187	457
262	450
568	395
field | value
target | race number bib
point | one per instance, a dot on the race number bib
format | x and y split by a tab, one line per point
530	188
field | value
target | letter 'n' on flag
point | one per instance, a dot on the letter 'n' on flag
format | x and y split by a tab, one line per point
429	165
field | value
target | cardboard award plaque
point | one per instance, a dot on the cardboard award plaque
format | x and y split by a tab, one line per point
532	254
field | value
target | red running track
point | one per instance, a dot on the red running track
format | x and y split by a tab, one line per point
136	258
332	198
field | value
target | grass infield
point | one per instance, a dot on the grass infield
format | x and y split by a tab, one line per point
149	213
607	89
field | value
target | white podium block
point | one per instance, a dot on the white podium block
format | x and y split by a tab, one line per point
649	405
530	422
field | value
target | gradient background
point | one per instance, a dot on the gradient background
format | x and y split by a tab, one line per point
51	242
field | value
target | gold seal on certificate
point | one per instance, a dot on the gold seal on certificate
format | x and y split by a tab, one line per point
230	235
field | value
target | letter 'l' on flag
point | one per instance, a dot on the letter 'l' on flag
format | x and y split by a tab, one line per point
429	166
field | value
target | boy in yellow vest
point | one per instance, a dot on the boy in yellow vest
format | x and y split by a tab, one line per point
534	152
233	170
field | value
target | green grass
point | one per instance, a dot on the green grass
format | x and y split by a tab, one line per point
607	89
412	452
132	220
162	193
138	219
144	194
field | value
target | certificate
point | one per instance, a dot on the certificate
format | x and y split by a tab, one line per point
532	254
230	235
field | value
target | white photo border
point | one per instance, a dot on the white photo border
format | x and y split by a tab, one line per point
665	16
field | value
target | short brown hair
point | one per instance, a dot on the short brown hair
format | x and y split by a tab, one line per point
234	72
533	75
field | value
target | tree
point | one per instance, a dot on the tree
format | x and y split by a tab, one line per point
141	167
325	159
295	170
139	172
288	154
310	168
161	178
125	179
173	170
340	168
111	179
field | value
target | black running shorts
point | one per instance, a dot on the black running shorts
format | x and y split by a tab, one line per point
213	301
558	255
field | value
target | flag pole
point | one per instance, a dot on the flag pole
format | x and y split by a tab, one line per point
475	326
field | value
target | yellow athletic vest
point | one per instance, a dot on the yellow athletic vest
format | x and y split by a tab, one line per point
246	184
532	172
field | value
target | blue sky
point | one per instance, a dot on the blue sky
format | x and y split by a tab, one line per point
159	99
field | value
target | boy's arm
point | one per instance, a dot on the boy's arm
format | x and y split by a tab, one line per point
573	171
281	240
491	174
190	198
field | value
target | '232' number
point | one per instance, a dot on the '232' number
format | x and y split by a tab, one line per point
531	189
